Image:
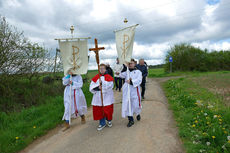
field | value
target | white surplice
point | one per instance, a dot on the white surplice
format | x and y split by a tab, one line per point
77	96
135	94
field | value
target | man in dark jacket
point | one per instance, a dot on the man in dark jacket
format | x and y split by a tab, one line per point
109	70
143	68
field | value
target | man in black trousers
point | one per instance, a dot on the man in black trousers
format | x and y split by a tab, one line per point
143	68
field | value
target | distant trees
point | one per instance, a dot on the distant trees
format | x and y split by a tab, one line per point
21	64
18	55
189	58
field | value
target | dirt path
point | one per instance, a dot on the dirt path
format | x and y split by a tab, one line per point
155	133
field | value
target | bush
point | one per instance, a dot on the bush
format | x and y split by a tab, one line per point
189	58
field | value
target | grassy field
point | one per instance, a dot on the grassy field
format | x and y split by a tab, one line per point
159	72
200	103
20	126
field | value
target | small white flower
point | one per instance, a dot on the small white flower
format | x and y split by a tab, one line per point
228	137
210	106
194	142
223	147
215	116
205	114
208	143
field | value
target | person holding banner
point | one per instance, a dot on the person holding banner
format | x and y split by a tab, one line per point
133	81
102	111
79	107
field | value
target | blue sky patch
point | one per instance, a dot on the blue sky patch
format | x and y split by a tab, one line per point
212	2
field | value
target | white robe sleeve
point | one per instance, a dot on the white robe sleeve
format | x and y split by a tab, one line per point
92	86
137	79
123	74
77	82
106	85
65	80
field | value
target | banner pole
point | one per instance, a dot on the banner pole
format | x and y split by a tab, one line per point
128	74
70	104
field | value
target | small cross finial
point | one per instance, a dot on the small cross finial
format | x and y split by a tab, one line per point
125	21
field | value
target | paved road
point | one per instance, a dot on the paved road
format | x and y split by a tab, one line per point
155	133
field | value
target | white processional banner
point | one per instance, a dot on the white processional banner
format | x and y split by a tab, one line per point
74	56
124	43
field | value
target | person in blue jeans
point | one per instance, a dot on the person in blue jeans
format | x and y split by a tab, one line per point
102	83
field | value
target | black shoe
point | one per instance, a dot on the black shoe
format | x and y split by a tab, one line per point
130	123
138	117
143	97
116	89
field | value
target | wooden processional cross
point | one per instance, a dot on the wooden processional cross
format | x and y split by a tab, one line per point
96	51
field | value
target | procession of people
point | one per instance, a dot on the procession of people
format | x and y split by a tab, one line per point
133	90
128	77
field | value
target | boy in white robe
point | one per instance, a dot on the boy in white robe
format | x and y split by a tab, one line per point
134	84
102	112
79	107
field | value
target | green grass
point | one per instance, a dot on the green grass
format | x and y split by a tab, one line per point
18	129
20	126
201	116
159	72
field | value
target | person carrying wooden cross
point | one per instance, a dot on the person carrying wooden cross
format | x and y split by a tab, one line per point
102	111
102	88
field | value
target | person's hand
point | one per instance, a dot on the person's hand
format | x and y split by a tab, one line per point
128	81
126	63
100	82
117	73
70	82
100	87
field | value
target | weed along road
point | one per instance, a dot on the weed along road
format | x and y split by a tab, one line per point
155	133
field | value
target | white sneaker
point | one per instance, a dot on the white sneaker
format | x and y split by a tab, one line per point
100	127
110	124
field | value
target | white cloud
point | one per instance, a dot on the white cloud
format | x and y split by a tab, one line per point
162	23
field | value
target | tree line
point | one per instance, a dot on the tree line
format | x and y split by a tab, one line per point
189	58
22	66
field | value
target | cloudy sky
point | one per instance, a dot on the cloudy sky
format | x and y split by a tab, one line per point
203	23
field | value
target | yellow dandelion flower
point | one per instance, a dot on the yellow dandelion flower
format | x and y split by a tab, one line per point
228	141
193	125
202	111
223	128
16	138
196	121
34	127
213	137
225	132
220	120
208	122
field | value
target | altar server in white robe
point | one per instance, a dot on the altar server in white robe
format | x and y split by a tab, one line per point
102	112
79	107
134	82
